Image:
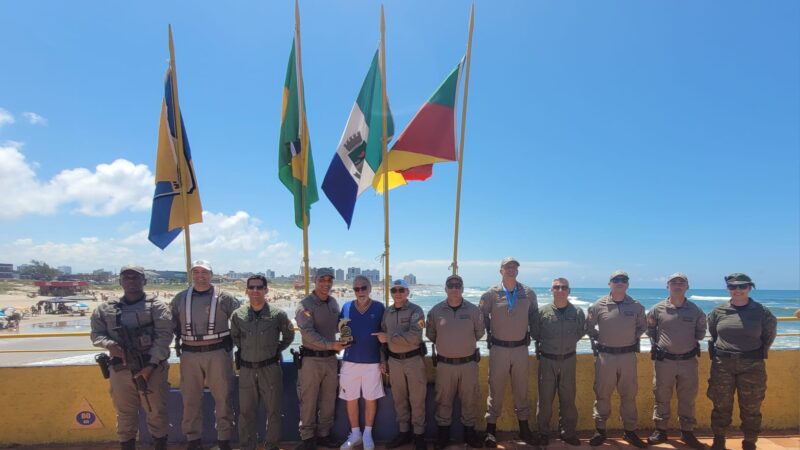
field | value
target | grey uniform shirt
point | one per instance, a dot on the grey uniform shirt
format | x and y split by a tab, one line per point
742	329
455	331
318	322
403	327
201	311
676	330
504	322
104	321
560	330
616	324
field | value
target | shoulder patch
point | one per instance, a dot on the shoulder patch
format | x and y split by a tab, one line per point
306	312
421	323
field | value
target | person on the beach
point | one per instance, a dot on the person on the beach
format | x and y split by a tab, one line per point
742	331
261	333
361	365
201	316
455	326
615	323
317	318
675	326
510	314
148	322
561	326
402	327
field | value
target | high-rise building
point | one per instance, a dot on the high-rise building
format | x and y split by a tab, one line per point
411	279
374	275
352	272
339	275
6	271
66	270
270	274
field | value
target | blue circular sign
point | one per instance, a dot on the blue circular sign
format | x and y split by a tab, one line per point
85	418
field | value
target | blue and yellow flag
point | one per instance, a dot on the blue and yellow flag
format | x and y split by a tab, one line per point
167	217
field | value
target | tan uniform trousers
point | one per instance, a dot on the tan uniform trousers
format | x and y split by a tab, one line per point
683	376
461	379
264	385
409	387
615	371
557	377
317	384
127	400
215	370
505	362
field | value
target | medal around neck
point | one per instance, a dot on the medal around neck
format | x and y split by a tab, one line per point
345	332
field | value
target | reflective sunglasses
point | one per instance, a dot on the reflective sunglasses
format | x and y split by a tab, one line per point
256	288
397	290
734	287
619	280
559	288
454	285
360	288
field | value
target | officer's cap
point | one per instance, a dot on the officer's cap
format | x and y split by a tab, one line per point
738	278
132	268
678	275
324	272
202	263
401	283
454	278
508	260
618	273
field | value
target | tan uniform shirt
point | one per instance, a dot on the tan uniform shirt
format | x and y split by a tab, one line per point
455	331
318	322
506	323
618	324
201	311
403	327
676	330
105	320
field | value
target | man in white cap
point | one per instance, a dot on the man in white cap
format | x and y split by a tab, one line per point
201	316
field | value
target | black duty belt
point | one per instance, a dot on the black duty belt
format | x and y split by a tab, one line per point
752	354
617	350
557	357
682	356
260	364
405	355
203	348
317	353
510	344
457	361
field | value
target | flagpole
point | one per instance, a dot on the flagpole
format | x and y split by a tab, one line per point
303	139
454	266
385	160
183	171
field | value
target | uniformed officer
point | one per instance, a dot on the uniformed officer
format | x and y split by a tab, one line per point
201	316
510	314
402	327
455	326
317	318
675	326
742	331
260	332
136	330
615	323
561	326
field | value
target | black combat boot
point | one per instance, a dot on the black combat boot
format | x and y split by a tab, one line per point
160	443
632	438
196	444
224	444
688	438
598	438
402	438
442	438
658	437
328	441
471	438
130	444
419	442
571	440
307	444
748	445
526	435
544	439
490	441
719	442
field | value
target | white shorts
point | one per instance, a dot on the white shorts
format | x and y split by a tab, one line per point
356	378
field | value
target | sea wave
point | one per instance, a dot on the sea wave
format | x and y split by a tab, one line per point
708	298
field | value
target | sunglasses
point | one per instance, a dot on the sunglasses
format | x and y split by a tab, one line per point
619	280
397	290
256	288
454	285
559	288
360	288
734	287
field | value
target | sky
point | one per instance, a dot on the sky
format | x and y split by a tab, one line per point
652	137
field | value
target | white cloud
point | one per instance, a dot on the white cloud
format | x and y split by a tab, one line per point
109	189
34	119
5	117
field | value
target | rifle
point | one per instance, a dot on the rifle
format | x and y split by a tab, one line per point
136	358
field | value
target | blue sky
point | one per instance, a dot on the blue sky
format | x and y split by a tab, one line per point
649	136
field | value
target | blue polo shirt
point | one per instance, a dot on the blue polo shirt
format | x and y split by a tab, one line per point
365	349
